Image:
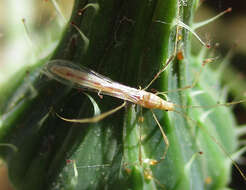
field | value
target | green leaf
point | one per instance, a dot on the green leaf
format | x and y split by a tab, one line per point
123	41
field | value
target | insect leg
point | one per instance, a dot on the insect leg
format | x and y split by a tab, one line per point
158	74
170	59
96	118
164	138
194	83
140	120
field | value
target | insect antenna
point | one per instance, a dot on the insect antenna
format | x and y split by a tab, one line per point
211	106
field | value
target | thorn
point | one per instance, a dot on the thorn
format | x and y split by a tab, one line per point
181	24
93	5
84	38
58	11
208	21
28	34
189	163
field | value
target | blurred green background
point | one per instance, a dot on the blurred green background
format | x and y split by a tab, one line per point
21	43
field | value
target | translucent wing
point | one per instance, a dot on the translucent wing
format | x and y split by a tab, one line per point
83	78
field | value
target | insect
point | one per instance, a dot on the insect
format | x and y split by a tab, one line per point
84	78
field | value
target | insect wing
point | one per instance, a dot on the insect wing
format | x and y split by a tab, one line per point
73	75
83	78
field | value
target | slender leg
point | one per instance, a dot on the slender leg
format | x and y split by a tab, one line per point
195	80
162	70
96	118
164	138
169	59
140	121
